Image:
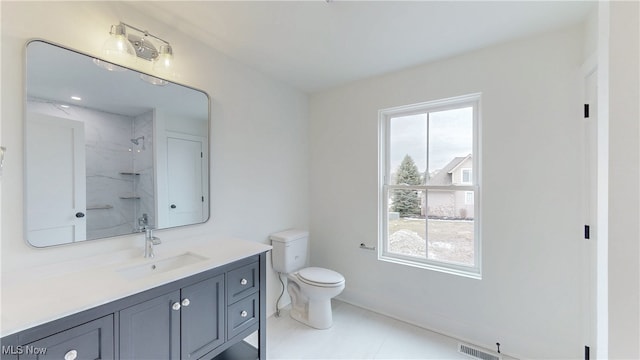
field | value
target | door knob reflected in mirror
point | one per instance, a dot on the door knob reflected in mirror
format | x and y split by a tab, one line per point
79	215
173	206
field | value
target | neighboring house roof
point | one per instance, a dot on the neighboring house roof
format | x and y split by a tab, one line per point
444	175
459	163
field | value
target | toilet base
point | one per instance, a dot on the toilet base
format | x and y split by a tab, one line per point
314	313
318	315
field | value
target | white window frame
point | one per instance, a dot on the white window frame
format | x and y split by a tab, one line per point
384	184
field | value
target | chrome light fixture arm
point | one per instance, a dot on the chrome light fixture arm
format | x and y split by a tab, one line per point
144	49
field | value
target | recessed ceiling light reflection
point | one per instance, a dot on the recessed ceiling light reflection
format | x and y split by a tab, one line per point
76	98
107	65
153	80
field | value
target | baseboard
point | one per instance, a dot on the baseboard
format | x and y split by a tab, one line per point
505	356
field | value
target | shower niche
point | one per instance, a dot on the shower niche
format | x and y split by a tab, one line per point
108	153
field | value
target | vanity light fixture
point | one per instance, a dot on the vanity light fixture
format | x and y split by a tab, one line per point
117	47
125	48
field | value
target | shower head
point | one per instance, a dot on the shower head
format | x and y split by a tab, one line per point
137	140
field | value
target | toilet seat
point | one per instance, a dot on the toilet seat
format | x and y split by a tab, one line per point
320	277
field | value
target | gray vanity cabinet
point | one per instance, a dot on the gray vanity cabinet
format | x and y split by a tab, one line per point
93	340
150	330
242	299
202	322
242	281
203	316
184	324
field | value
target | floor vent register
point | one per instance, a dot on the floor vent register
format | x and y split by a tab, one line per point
478	353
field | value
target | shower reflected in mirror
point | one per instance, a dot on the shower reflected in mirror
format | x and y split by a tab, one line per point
108	153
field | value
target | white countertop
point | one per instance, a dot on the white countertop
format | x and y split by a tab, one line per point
54	291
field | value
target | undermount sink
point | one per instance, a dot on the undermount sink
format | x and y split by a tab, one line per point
160	266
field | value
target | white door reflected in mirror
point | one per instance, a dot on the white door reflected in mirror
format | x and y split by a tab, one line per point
56	182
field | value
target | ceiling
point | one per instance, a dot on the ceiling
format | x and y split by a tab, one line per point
314	45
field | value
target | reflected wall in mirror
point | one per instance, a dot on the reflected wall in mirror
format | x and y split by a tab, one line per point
109	152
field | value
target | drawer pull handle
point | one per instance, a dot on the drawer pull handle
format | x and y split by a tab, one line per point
186	302
243	282
175	306
71	355
244	313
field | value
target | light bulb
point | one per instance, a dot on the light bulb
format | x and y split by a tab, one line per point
118	48
163	64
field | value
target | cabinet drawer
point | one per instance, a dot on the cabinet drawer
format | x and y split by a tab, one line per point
242	315
93	340
242	282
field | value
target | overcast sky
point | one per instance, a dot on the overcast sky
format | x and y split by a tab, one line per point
450	135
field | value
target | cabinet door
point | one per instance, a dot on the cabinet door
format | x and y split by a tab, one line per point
151	330
202	322
93	340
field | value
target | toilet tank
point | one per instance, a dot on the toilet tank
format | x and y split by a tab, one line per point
289	252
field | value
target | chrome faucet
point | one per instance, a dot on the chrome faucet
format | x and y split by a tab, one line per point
143	222
149	241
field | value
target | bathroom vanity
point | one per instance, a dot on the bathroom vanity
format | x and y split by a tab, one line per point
128	161
200	304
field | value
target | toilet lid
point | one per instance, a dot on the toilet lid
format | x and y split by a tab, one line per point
320	275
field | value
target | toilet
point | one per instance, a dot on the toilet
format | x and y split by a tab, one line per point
310	288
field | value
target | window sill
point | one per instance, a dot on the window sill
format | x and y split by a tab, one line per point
468	272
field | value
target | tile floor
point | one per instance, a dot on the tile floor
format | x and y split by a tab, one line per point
356	334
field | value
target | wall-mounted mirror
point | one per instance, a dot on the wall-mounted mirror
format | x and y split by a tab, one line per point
109	152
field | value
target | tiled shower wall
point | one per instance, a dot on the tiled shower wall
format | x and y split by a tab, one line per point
143	165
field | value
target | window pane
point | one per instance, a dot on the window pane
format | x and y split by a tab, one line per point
408	149
466	176
406	226
450	226
450	146
468	198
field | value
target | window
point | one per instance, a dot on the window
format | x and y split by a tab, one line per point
466	176
429	185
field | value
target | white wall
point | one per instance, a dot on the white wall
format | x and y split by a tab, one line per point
259	154
624	180
529	296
